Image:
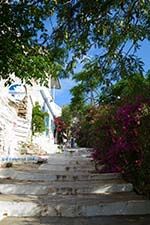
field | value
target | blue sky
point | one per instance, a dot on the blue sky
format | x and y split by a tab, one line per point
63	96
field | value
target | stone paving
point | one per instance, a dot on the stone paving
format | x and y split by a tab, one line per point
128	220
67	190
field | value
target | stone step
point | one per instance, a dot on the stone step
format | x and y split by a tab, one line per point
75	206
87	177
75	194
85	187
13	205
21	221
41	175
67	160
65	188
65	163
104	220
69	156
67	168
96	205
24	189
71	163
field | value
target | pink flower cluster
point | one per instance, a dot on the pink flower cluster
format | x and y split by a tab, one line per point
120	147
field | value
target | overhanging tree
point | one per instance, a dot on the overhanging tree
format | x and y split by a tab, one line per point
90	83
111	31
113	28
23	36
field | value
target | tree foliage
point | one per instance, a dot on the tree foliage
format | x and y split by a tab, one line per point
127	89
22	40
90	84
118	131
112	29
67	115
112	32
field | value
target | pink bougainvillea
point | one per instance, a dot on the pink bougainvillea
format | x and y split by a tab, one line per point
118	146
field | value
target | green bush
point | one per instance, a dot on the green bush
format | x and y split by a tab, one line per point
38	119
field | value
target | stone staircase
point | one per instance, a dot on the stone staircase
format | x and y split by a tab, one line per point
22	130
68	190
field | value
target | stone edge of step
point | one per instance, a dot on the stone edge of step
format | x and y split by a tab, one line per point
29	208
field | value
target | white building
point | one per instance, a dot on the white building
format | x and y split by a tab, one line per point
16	103
45	97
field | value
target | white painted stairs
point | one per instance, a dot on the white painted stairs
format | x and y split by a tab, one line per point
65	188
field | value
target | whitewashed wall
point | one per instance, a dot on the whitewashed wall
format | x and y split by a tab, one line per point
13	129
